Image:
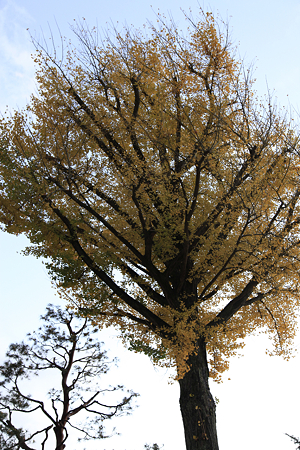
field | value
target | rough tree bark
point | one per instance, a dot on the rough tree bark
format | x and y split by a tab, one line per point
197	405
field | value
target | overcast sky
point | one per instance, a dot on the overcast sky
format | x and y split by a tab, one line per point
260	396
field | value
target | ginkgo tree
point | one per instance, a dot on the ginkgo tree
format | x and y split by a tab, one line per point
164	195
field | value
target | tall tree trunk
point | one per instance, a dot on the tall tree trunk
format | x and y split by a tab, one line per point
197	405
59	434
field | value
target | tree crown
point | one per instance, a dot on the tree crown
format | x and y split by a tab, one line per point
163	193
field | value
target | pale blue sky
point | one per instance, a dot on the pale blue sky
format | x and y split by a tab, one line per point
261	400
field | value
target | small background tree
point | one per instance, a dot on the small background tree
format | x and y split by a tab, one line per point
65	344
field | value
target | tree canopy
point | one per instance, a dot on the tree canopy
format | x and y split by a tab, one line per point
162	192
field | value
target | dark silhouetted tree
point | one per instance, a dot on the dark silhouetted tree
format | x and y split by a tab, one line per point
63	346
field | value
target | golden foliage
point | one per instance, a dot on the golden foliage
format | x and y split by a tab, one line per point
163	193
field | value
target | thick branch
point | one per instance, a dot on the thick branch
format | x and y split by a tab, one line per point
94	213
234	305
156	321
